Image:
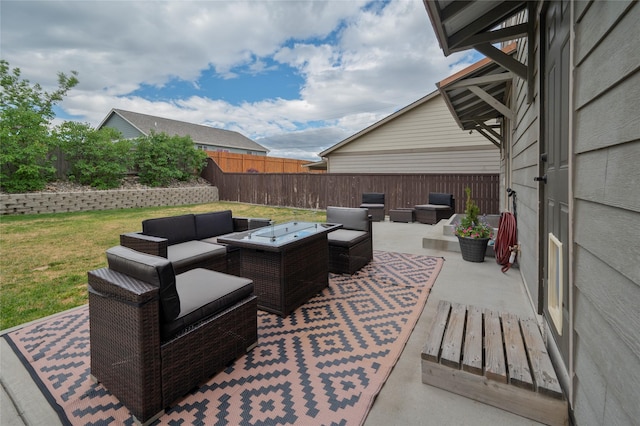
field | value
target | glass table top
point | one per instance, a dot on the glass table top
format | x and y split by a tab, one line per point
283	233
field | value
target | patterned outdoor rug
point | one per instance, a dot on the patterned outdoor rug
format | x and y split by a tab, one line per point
323	364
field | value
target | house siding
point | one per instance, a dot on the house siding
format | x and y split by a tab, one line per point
425	139
445	162
607	212
118	123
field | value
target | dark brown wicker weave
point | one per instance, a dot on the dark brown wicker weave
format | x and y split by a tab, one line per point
286	279
125	340
402	214
431	215
284	276
155	246
348	260
127	356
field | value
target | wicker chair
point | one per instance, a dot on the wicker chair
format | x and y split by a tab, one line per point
441	206
351	247
374	202
155	335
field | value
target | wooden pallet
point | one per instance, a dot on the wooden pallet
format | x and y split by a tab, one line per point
497	359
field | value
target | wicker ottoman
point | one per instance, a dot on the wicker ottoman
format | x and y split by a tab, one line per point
432	213
402	215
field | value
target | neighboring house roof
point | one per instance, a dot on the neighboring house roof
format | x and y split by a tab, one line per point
200	134
380	123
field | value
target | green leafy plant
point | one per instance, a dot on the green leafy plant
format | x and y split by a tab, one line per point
471	226
161	158
26	112
99	158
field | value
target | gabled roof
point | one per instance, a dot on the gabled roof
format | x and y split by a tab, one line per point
380	123
200	134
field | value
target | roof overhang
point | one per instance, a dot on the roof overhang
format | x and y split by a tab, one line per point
477	96
478	24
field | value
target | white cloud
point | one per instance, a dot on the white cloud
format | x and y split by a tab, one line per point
358	63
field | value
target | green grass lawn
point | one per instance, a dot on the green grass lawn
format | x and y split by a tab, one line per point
44	259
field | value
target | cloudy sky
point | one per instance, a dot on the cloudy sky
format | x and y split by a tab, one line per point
295	76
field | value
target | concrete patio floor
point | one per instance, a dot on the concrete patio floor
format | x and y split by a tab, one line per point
404	399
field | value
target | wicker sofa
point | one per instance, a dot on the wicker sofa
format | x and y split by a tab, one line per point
155	335
190	241
350	247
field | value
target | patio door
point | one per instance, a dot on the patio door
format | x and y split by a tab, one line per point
554	168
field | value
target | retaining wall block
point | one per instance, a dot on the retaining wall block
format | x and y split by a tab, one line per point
59	202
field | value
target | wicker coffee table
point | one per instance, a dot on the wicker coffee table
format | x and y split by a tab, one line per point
288	263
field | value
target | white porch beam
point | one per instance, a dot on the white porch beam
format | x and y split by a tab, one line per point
493	78
503	109
504	60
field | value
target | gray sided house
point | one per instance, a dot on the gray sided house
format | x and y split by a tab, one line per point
420	138
133	125
570	148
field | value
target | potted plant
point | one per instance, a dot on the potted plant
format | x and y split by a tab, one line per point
473	233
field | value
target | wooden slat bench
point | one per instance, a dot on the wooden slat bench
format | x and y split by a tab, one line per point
494	358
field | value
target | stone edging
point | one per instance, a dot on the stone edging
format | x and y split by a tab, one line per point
58	202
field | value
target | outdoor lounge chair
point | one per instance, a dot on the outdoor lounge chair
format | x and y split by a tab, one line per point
441	206
374	202
154	335
351	247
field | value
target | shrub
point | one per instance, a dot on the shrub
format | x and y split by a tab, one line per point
160	158
99	158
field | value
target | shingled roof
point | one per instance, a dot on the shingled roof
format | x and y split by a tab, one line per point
200	134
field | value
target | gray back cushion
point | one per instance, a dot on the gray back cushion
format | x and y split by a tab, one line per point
213	224
176	229
151	269
350	218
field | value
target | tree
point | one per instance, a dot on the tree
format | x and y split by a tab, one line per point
26	112
99	158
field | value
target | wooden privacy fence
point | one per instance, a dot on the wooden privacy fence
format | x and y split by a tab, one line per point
317	191
245	163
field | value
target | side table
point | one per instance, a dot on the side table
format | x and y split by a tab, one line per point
402	214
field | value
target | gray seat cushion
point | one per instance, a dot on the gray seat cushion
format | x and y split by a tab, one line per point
432	207
204	293
346	237
184	254
150	269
